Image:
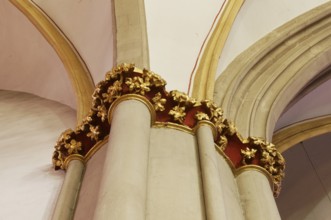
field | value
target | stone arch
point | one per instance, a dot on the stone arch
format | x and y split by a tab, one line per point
259	84
295	133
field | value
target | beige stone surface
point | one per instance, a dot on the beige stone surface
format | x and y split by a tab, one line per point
265	77
256	196
123	184
88	195
66	202
272	14
230	190
131	33
212	189
174	185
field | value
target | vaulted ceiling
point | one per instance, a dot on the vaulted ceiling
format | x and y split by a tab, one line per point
59	50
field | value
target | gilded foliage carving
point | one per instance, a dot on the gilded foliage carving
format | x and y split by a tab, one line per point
73	147
178	113
182	99
170	107
158	102
271	160
201	116
121	80
248	154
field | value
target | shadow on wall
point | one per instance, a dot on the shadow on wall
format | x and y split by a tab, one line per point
305	193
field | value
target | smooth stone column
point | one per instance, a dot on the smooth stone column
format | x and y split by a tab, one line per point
66	203
212	189
256	195
122	194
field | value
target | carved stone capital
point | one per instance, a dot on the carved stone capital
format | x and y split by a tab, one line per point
167	109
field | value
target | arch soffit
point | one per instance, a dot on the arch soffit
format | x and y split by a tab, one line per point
316	82
295	133
257	86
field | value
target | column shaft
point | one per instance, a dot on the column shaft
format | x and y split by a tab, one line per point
123	187
256	196
66	203
213	193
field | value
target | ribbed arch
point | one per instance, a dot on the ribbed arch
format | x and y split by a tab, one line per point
259	84
295	133
78	72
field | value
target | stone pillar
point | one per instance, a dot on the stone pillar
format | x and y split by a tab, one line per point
133	98
212	189
123	187
66	202
256	194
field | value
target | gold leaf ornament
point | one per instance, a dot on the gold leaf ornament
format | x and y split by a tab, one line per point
94	132
138	84
217	112
247	154
231	129
209	104
178	113
124	67
102	112
267	159
113	91
258	141
111	75
201	116
159	102
220	126
182	98
155	79
57	159
73	147
272	169
223	142
66	135
280	159
270	148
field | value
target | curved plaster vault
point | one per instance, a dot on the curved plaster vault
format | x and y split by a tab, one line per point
269	77
30	127
28	62
77	59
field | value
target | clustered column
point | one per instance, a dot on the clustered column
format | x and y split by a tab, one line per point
212	189
256	194
236	173
123	188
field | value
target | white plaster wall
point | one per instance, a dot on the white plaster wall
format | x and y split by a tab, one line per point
314	104
89	26
28	62
29	130
176	31
258	18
